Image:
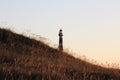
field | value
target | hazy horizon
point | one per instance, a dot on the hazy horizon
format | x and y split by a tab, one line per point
90	27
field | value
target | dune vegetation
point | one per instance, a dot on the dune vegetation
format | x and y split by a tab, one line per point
24	58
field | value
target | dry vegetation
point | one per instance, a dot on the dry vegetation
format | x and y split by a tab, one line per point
23	58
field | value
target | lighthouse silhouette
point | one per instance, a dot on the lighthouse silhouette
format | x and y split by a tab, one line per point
60	40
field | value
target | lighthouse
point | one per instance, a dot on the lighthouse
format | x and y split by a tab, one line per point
60	40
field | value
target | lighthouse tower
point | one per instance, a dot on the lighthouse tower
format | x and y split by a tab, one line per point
60	40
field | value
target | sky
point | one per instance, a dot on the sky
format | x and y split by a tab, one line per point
90	27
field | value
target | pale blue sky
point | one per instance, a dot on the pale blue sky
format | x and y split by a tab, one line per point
90	27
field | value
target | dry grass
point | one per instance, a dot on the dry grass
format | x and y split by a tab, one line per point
23	58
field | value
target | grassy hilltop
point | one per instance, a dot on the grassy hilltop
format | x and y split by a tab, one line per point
23	58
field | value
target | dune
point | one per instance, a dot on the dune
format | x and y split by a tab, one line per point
24	58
